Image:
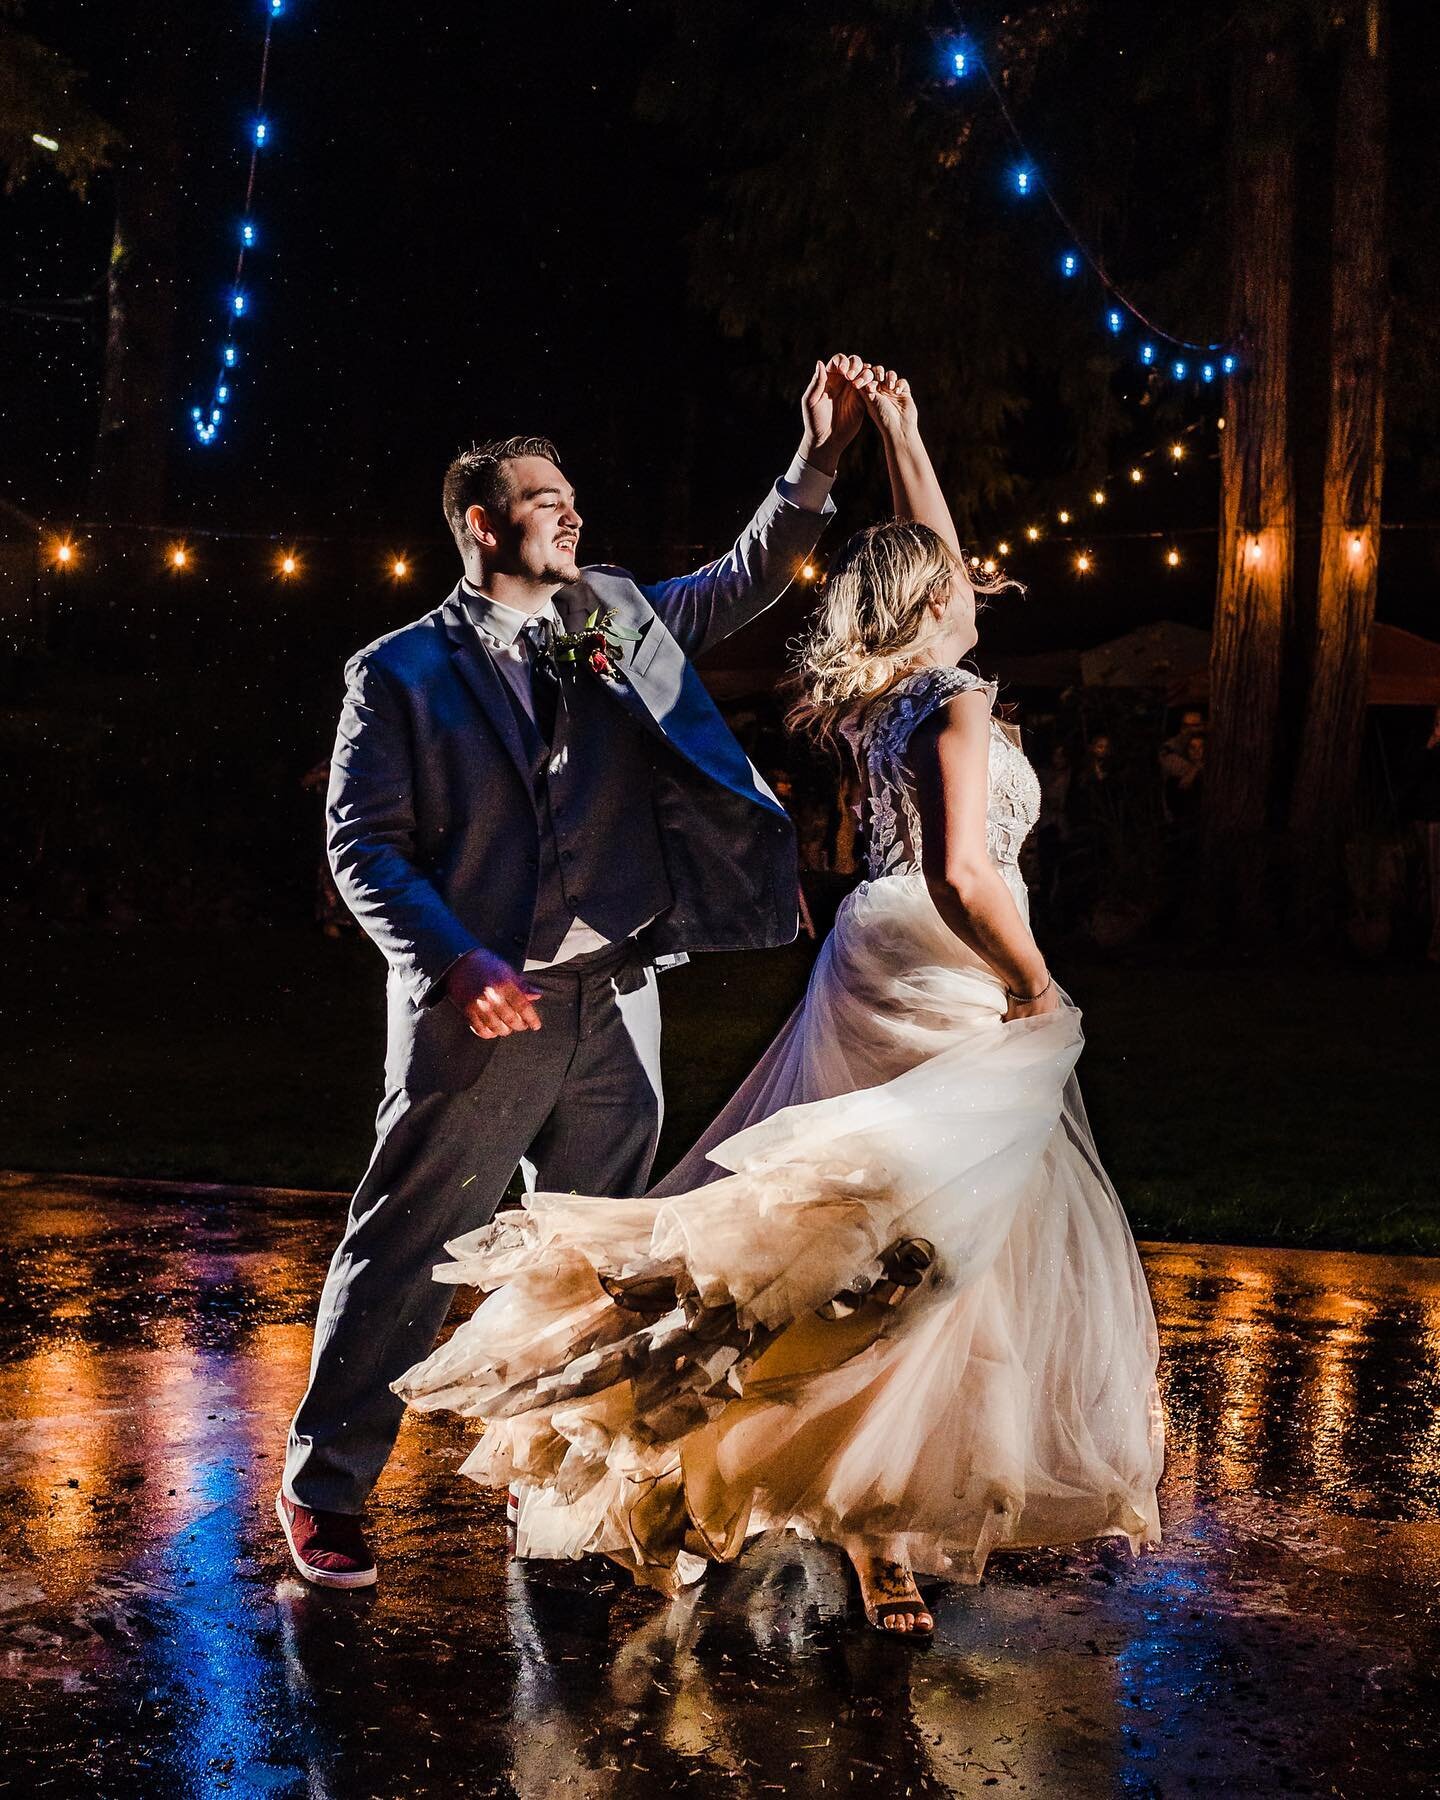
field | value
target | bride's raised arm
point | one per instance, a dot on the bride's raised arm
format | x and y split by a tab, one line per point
914	485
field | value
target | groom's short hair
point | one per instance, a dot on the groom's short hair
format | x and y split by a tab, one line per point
478	477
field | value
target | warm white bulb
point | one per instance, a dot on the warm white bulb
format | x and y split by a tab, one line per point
1082	564
1032	532
1098	496
989	565
1137	474
1173	558
400	568
1177	451
1003	548
1064	518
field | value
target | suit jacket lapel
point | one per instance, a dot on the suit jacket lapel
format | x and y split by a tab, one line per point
574	605
487	684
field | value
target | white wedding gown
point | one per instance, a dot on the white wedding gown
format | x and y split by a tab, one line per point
667	1376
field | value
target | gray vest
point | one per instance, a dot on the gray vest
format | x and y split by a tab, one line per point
600	855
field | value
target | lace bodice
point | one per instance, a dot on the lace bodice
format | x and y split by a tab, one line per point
880	739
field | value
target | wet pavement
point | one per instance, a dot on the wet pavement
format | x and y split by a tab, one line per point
152	1642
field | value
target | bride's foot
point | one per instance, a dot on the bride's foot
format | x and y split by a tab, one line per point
891	1599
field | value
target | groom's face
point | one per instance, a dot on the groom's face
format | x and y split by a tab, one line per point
535	528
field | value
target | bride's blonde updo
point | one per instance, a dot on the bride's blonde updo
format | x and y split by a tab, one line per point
875	620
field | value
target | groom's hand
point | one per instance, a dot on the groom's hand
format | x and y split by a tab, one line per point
832	411
492	999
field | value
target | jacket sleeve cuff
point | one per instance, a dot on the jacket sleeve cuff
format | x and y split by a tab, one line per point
805	486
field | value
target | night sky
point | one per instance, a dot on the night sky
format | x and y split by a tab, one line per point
467	230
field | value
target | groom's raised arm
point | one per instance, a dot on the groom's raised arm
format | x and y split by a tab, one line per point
701	608
371	840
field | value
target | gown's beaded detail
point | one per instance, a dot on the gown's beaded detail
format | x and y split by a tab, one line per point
881	740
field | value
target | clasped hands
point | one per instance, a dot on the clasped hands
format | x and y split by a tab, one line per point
841	394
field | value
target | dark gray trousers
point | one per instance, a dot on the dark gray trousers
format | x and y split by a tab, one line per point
577	1104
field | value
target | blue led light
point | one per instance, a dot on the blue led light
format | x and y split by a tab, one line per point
276	8
1115	321
231	355
1069	263
262	131
237	303
1147	354
1207	371
1024	179
1227	363
1179	370
215	415
247	234
222	393
196	413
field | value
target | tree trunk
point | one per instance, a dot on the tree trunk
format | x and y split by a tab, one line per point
140	400
1322	812
1257	502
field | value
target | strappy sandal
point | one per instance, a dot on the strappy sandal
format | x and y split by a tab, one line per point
878	1611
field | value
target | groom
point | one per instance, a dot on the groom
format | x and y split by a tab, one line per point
526	814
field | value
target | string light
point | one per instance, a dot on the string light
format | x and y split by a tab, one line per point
1026	182
1227	363
1137	475
1356	546
399	568
989	566
289	563
1064	518
179	556
1147	354
1003	548
1177	453
1098	496
1207	373
1083	563
45	143
1033	533
807	572
64	553
1255	550
208	421
1172	558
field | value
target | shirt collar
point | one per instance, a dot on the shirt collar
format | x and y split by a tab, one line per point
496	620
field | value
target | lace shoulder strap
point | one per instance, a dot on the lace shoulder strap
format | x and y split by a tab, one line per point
884	735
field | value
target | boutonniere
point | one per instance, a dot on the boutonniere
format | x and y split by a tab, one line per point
600	644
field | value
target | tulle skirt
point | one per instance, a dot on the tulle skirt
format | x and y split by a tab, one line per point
738	1351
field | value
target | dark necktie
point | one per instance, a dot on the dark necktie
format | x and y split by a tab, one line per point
544	682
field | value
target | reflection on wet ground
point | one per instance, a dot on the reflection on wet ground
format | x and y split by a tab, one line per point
152	1641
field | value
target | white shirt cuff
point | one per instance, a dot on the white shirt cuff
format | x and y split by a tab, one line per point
806	486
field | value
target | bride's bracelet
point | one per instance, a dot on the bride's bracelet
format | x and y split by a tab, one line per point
1026	999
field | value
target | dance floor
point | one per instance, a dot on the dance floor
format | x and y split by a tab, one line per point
153	1641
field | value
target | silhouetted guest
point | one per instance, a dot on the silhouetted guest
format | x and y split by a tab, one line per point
1052	828
331	913
1185	781
1422	805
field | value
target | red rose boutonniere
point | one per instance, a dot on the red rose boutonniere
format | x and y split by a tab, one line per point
600	645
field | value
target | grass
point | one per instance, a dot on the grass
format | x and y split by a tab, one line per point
1293	1105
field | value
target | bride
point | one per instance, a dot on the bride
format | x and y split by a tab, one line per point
890	1300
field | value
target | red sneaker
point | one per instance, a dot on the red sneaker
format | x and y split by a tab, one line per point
328	1548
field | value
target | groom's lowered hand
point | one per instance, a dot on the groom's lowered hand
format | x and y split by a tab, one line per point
492	999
